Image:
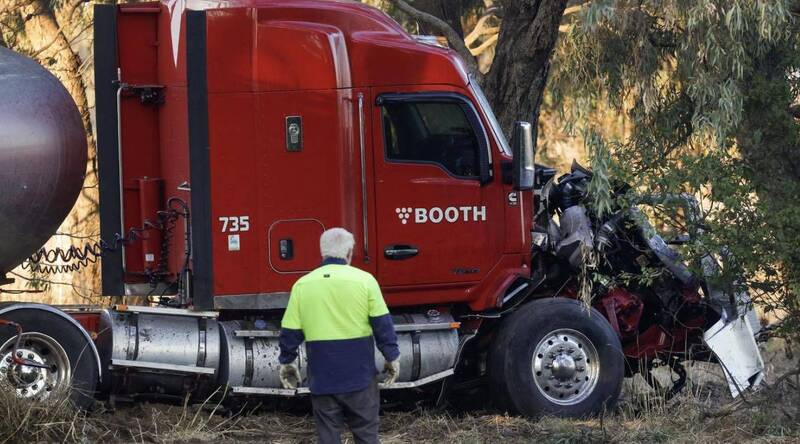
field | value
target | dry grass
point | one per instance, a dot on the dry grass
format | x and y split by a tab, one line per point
56	420
703	413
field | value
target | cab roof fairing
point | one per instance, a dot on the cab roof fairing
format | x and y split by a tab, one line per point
381	52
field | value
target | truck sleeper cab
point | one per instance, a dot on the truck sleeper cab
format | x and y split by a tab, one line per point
302	117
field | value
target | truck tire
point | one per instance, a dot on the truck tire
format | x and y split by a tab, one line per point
555	357
51	340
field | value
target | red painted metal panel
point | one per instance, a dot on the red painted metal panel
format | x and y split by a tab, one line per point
174	158
300	55
154	138
456	224
304	237
230	50
150	203
253	175
88	320
235	171
138	46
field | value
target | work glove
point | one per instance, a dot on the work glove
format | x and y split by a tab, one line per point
290	375
392	370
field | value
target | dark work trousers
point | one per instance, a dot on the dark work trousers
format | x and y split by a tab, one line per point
359	410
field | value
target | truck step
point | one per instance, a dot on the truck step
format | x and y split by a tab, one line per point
256	333
427	327
165	311
268	391
160	366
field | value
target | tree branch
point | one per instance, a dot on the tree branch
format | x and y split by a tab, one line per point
574	9
62	27
482	29
485	45
456	42
479	30
766	395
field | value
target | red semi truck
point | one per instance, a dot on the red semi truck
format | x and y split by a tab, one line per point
231	134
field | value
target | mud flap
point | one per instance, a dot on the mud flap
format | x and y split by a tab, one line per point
734	345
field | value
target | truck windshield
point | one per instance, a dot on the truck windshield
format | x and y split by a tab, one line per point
487	110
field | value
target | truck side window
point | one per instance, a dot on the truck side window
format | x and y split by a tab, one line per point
432	132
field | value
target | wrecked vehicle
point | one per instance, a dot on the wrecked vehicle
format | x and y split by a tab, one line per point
662	311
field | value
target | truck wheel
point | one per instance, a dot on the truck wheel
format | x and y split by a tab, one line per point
50	340
554	357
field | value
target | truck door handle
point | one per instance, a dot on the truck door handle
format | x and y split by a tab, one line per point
400	252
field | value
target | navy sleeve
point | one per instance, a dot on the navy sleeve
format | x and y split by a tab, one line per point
385	336
290	339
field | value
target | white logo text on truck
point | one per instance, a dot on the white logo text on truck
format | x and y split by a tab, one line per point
437	215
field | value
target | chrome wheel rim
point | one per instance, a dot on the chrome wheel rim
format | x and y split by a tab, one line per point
35	382
566	366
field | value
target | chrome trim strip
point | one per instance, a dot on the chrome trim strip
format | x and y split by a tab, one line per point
423	327
256	333
120	87
362	144
515	291
142	289
397	328
160	366
165	311
257	301
239	390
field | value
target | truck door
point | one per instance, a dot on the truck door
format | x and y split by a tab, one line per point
438	221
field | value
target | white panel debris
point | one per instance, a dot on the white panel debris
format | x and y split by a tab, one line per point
735	347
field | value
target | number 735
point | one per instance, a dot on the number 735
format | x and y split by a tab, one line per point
235	224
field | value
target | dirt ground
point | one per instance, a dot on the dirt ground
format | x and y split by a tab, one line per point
704	412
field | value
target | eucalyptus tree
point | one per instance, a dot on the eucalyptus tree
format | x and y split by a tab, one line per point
708	88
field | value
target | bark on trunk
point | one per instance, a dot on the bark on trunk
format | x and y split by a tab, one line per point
51	48
516	82
450	11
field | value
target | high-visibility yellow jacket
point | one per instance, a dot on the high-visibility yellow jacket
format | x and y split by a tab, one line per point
338	310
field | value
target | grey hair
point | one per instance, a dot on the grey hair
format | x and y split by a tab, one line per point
336	242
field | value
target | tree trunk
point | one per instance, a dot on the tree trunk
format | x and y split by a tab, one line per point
451	11
51	48
516	82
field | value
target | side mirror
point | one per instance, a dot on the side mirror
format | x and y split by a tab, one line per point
523	164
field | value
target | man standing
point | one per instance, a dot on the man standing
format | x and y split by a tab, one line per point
338	310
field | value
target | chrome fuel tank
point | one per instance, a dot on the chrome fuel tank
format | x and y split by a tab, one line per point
249	363
159	351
